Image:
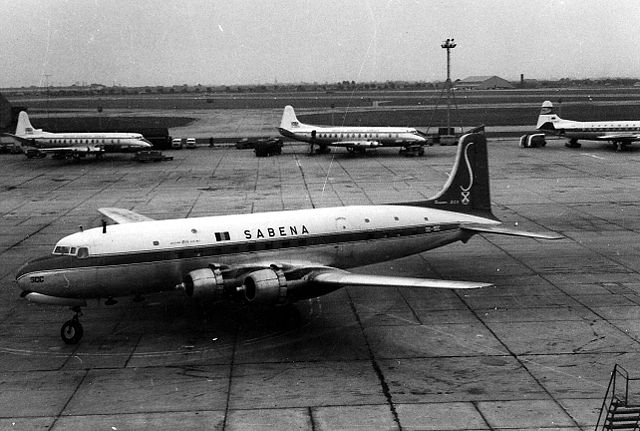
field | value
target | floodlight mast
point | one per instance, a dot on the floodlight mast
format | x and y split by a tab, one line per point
448	44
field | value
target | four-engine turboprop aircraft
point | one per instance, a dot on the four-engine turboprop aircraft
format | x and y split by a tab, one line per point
620	132
354	139
265	258
38	143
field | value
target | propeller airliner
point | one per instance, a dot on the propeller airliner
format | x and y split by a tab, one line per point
38	143
619	132
354	139
265	258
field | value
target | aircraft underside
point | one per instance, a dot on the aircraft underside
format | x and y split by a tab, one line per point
161	275
268	277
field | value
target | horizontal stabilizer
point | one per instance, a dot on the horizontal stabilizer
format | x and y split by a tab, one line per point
121	215
501	230
344	278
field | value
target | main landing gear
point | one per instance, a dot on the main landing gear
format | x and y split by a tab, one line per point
71	332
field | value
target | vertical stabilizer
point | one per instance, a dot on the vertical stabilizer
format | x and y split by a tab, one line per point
289	120
24	127
467	189
547	117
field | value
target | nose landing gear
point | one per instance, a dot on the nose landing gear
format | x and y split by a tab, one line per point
71	331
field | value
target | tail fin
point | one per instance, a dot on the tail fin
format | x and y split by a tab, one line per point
467	189
547	117
289	120
24	127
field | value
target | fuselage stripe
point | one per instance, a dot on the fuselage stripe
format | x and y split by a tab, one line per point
212	250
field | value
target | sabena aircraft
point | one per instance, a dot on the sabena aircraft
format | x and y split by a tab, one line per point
264	258
619	132
37	143
354	139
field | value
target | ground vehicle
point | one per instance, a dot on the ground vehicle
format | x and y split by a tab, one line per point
250	143
191	142
176	143
533	141
268	147
151	156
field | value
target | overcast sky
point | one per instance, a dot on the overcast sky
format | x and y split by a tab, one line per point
213	42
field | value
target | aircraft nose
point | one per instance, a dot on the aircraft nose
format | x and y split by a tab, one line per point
36	276
22	280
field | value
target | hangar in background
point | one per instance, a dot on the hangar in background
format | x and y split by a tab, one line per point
483	83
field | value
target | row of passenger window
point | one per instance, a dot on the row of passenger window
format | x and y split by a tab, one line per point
84	141
357	135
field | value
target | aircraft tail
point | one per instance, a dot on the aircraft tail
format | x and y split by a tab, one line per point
547	117
467	189
289	120
24	127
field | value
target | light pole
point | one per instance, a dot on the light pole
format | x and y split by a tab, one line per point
448	44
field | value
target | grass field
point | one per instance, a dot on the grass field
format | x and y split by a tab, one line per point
366	108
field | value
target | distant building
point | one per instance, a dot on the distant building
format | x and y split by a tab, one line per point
483	83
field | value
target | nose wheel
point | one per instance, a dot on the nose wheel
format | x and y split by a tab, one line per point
71	332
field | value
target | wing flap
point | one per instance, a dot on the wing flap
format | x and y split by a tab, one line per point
121	215
338	277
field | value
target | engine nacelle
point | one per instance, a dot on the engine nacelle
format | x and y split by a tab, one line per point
204	282
266	286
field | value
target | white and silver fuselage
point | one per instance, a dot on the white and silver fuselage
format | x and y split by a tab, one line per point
108	142
148	256
356	136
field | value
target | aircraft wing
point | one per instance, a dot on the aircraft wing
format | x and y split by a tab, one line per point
61	150
68	150
501	230
121	215
338	277
361	144
619	137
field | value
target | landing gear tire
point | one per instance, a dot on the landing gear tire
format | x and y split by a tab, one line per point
71	332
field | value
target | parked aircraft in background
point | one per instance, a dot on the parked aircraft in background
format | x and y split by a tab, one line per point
38	143
354	139
621	133
265	258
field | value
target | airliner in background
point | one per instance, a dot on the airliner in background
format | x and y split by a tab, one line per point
354	139
620	132
38	143
264	258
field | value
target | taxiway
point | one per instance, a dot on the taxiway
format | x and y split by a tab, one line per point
533	352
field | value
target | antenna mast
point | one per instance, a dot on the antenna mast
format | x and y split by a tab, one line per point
448	44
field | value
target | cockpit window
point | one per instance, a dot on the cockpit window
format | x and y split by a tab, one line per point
83	252
61	249
65	250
